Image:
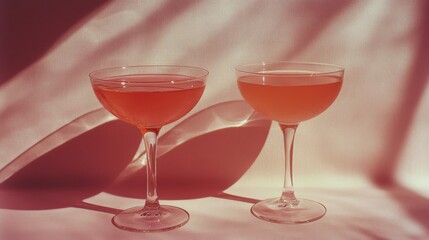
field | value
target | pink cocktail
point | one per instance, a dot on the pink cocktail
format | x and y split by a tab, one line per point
161	100
290	98
289	93
149	97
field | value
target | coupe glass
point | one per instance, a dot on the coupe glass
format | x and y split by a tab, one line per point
149	97
289	93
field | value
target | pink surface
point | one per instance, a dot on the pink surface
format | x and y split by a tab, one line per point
68	166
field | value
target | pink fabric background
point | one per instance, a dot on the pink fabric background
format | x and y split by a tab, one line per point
65	167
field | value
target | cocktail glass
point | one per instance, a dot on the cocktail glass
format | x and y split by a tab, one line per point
289	93
149	97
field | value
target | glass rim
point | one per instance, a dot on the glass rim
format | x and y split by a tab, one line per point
339	68
92	74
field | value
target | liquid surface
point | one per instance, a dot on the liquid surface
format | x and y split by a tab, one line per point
149	101
289	97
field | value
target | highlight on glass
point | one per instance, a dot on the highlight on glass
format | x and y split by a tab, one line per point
149	97
289	93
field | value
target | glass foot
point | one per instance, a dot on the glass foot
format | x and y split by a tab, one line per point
138	219
273	210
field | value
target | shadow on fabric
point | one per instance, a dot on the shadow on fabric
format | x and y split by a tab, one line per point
28	29
201	156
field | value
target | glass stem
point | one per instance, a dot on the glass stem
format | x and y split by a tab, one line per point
150	138
288	194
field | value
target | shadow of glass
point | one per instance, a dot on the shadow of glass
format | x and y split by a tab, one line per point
237	198
69	131
75	170
201	156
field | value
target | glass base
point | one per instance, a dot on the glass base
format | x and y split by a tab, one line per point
138	219
273	210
